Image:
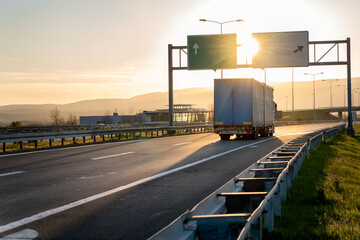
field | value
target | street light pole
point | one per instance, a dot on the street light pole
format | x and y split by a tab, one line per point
221	24
356	91
353	95
330	80
344	92
314	74
344	97
292	94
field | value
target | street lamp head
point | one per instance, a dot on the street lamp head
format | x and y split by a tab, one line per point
221	23
313	74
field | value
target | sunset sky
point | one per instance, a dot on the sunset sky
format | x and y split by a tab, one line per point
62	51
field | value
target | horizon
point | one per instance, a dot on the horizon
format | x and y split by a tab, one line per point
175	90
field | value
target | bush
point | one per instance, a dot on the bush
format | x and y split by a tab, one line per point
15	124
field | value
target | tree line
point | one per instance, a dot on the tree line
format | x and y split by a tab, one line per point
58	119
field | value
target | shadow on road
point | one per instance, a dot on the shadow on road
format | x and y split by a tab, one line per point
141	211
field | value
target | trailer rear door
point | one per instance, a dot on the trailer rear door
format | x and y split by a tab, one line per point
242	102
224	101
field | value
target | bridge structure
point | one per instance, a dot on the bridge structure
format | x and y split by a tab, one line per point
326	110
340	110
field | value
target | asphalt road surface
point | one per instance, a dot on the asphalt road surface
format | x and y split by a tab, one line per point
122	190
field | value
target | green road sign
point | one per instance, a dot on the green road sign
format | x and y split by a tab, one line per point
211	51
282	49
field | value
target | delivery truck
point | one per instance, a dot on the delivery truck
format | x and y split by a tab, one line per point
243	107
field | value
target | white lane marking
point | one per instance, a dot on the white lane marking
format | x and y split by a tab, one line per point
50	212
298	133
11	173
96	176
110	156
26	234
91	177
179	144
69	148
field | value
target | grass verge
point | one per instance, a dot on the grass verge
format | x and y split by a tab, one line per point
324	201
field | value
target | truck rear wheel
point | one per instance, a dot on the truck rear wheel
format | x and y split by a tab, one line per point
255	133
264	132
271	132
225	136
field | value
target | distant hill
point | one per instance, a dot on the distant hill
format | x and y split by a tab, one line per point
201	97
40	113
303	94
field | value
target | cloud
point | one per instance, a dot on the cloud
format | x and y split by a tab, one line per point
39	76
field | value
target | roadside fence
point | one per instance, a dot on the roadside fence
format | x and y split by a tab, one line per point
88	135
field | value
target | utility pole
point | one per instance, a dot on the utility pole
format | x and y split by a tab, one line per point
314	74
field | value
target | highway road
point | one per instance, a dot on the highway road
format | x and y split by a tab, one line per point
122	190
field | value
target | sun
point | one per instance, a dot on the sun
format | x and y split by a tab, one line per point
248	48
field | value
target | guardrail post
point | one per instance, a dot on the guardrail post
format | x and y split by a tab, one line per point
21	145
288	180
4	147
269	215
94	138
84	139
283	189
50	142
292	173
256	230
103	138
36	144
62	141
74	140
277	202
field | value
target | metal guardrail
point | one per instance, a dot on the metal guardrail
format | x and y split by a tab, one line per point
93	133
236	210
285	123
59	128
